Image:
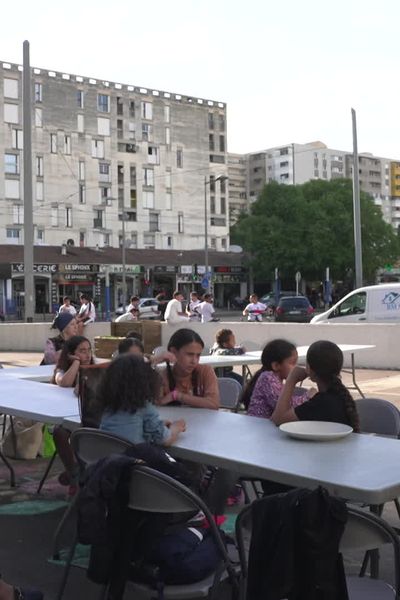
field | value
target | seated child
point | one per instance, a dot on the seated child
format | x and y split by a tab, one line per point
225	344
126	394
278	358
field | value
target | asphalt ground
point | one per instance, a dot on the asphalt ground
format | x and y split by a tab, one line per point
28	521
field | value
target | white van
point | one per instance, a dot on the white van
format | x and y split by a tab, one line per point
371	304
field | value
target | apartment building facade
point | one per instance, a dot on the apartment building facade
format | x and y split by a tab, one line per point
112	161
237	186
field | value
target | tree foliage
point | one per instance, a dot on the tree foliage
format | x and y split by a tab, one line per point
309	227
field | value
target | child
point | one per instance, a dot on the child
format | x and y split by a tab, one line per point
191	309
333	402
87	312
67	307
255	309
278	358
188	382
225	344
206	309
127	393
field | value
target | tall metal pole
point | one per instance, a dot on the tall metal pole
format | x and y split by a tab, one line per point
356	206
206	233
123	262
28	207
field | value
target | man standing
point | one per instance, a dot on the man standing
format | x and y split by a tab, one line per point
174	313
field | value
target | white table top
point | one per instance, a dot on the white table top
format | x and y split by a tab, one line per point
42	402
360	467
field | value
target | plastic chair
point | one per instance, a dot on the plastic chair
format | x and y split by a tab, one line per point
230	392
378	416
364	531
89	446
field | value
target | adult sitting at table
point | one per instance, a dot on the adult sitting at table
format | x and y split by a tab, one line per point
333	402
188	382
68	327
76	352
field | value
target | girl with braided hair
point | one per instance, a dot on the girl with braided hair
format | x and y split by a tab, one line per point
333	402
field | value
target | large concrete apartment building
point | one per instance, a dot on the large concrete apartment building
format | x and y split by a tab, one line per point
105	151
298	163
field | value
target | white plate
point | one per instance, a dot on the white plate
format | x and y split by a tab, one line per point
320	431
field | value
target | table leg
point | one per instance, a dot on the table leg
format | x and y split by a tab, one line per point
246	373
352	372
9	467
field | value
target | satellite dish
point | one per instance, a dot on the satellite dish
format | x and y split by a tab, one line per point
70	242
235	249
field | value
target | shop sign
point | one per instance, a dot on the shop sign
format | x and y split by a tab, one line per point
186	269
129	269
232	269
76	277
201	269
79	267
165	269
38	268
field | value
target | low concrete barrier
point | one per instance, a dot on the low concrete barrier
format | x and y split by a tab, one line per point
31	337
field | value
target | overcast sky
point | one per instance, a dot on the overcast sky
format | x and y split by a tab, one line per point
289	71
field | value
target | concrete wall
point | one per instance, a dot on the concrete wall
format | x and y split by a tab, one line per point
385	337
386	354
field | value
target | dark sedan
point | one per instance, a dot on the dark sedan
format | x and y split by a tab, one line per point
295	309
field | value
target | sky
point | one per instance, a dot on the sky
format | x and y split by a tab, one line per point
289	71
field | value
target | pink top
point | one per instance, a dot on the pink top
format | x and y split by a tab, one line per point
266	393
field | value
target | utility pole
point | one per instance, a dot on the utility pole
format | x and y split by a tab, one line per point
356	206
29	300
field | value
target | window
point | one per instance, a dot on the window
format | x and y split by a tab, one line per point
222	185
168	201
67	144
211	144
223	243
10	88
98	219
147	132
169	241
11	164
39	191
217	159
167	136
354	305
132	176
106	239
39	166
82	239
120	106
12	235
38	92
104	172
103	103
120	129
168	180
210	121
132	131
81	170
82	194
213	243
11	188
221	119
222	143
283	151
38	117
18	214
154	221
148	177
68	216
212	183
218	222
11	113
223	205
147	110
53	143
80	99
167	114
54	216
133	198
284	164
97	148
148	199
105	195
153	155
80	123
40	236
132	108
149	240
17	139
103	126
212	205
179	158
180	222
133	239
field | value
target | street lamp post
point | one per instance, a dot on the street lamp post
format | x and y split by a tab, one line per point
206	183
123	257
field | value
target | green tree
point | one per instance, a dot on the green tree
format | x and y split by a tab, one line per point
309	227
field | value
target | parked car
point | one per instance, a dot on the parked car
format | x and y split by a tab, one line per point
148	309
295	309
370	304
270	301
